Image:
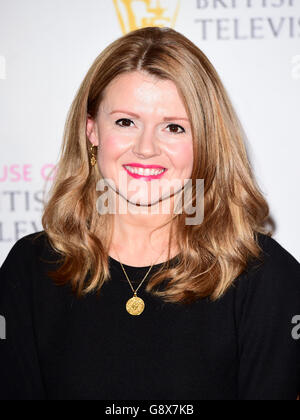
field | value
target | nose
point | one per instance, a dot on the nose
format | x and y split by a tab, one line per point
146	145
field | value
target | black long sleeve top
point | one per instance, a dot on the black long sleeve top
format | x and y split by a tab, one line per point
245	346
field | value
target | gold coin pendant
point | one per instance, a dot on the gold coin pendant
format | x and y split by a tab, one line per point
135	306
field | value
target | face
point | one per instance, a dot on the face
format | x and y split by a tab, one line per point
142	122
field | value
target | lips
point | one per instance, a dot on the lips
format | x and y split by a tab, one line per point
139	165
159	171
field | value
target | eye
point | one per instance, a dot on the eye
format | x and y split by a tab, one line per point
174	127
128	122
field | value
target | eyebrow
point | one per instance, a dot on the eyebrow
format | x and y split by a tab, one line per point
137	116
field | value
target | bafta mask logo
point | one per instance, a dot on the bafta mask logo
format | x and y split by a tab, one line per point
137	14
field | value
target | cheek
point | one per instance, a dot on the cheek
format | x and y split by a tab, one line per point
182	156
111	148
108	153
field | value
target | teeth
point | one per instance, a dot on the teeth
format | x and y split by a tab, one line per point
145	172
140	171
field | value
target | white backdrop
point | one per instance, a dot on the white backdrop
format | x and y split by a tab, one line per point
47	46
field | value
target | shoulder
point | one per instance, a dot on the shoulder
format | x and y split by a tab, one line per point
28	246
273	281
274	250
276	263
26	254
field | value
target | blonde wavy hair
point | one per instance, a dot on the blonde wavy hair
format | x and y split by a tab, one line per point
214	253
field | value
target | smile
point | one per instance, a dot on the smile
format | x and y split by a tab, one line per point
144	173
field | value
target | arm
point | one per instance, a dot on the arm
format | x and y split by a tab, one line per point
267	301
20	377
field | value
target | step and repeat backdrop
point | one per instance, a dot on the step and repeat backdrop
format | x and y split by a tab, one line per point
47	46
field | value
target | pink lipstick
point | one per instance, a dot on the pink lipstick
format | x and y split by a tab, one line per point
139	165
150	172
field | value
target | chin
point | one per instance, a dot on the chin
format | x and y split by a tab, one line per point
143	203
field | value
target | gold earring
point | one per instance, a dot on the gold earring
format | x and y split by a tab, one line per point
93	158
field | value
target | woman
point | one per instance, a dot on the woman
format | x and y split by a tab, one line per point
147	303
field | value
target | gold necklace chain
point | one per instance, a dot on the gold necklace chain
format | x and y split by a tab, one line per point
135	305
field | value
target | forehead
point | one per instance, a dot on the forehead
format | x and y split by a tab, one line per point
142	89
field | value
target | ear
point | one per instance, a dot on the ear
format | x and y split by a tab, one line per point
92	131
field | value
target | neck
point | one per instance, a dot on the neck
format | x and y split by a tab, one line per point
135	238
136	230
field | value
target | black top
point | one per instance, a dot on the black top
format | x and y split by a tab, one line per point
243	346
